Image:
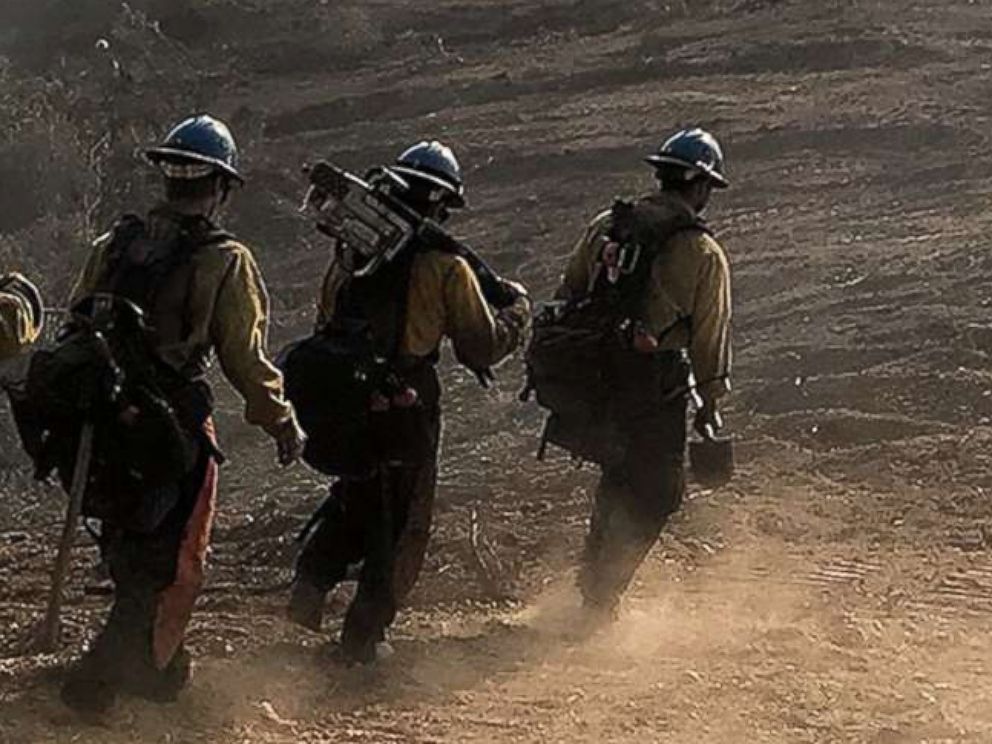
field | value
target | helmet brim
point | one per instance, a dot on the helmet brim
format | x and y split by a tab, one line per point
457	198
718	180
155	154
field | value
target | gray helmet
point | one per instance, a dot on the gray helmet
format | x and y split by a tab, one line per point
695	150
436	164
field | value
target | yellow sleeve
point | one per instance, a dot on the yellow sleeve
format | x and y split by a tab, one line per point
17	328
581	264
87	279
710	348
239	331
480	338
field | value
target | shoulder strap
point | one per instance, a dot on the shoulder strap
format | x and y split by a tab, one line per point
379	303
624	298
139	273
128	229
213	236
210	237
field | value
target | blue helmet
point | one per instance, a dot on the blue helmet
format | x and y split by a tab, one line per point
695	150
435	163
197	147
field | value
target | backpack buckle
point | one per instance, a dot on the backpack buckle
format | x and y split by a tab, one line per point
630	254
619	259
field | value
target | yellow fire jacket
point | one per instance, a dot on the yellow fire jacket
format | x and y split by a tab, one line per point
687	303
219	305
18	326
444	301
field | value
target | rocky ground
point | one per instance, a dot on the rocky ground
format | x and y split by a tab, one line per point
839	591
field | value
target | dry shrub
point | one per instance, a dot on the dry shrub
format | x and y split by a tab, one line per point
76	120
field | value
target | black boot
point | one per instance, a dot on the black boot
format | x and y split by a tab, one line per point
88	689
163	686
600	608
306	605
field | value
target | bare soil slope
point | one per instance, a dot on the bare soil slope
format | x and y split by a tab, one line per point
839	591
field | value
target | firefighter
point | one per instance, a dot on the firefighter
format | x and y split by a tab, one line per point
437	296
21	315
202	293
683	311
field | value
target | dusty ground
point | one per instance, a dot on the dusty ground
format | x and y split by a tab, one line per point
839	591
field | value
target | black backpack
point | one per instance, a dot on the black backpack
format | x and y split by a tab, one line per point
104	368
361	405
581	365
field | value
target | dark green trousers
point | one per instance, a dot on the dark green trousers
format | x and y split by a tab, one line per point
384	522
633	502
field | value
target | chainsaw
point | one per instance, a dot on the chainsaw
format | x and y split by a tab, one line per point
365	215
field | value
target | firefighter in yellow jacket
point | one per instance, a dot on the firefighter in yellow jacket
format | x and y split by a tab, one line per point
440	298
21	315
21	320
685	307
203	295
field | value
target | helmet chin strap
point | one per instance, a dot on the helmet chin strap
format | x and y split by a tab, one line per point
220	197
431	202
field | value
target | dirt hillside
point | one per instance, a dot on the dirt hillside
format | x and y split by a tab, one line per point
839	591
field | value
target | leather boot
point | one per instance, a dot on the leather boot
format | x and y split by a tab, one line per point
163	686
306	606
87	689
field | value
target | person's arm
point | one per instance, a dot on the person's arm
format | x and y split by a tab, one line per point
239	331
710	349
481	339
578	272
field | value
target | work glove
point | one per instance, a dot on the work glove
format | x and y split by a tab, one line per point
708	421
290	439
517	315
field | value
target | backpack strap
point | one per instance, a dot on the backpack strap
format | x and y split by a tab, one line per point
625	296
129	227
379	302
142	281
199	241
